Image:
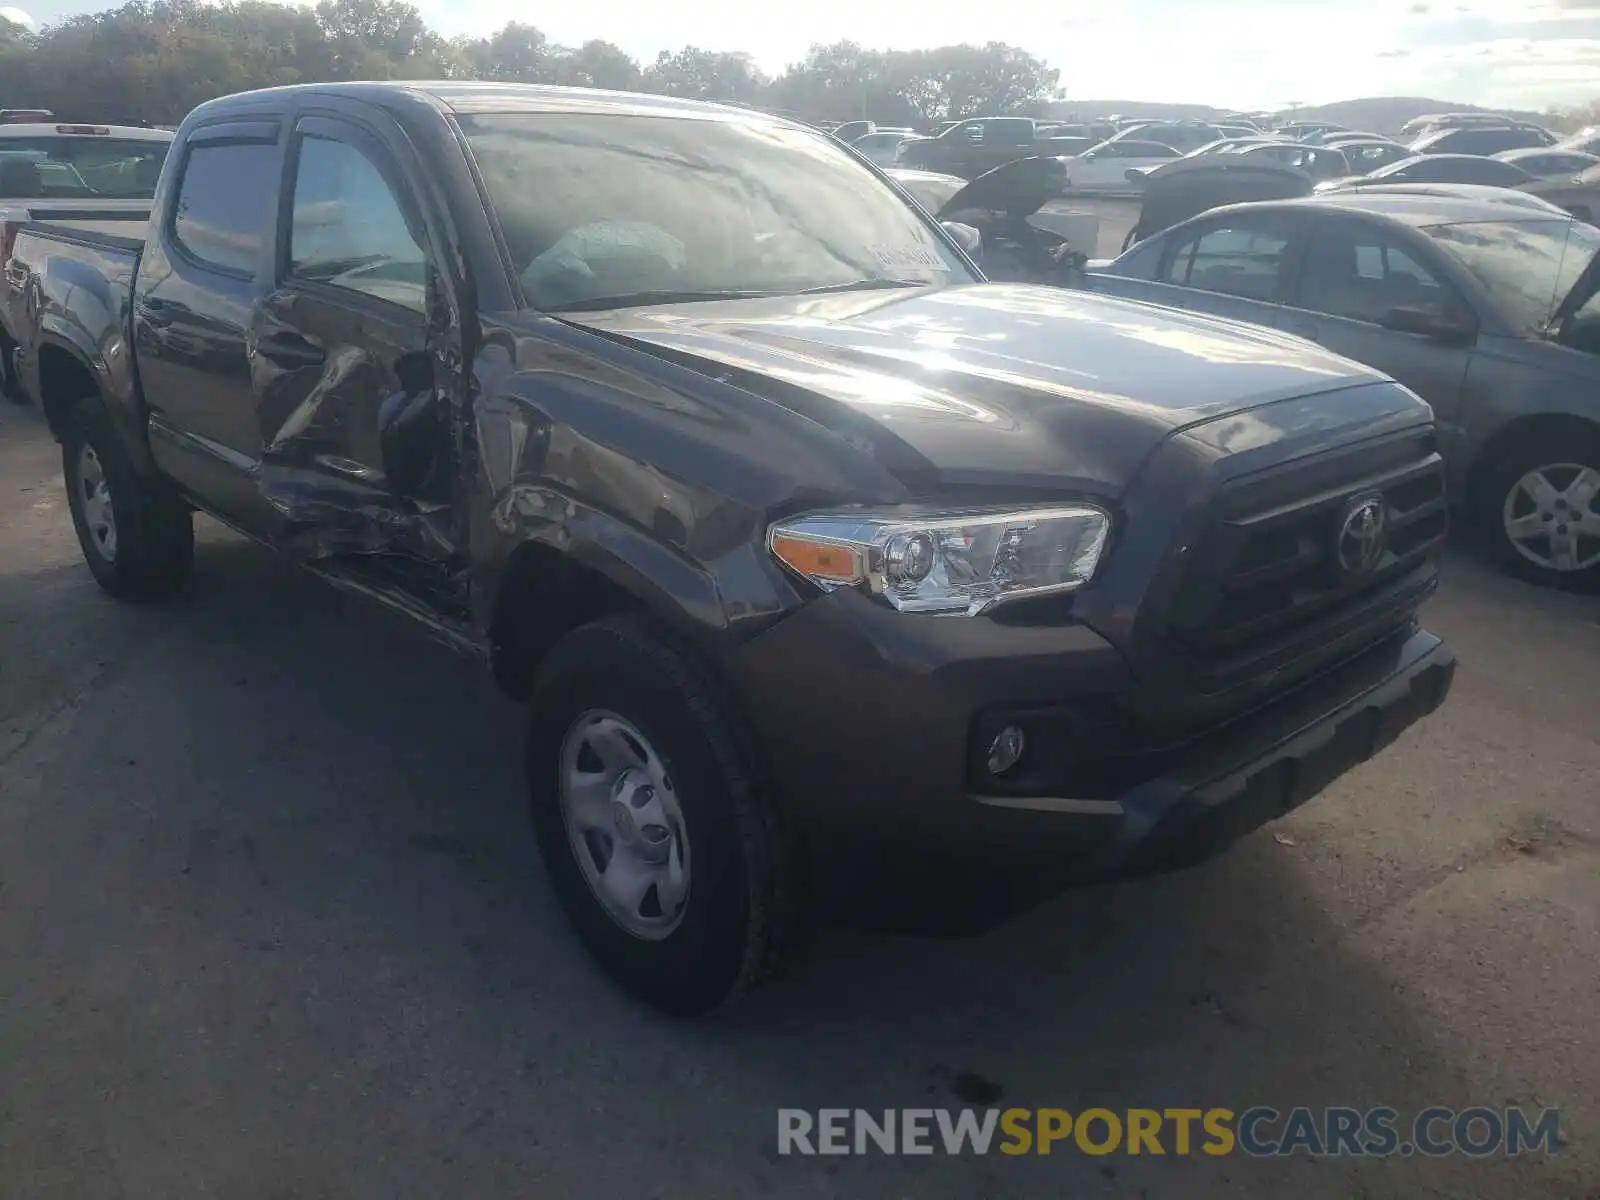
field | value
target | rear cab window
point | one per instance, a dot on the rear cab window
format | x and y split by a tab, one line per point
80	166
1010	131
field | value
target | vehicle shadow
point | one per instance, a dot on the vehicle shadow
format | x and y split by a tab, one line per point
311	941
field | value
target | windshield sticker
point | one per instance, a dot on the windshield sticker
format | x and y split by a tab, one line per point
923	256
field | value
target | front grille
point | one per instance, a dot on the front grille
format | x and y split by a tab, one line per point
1269	585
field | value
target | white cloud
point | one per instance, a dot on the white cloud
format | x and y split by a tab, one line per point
16	16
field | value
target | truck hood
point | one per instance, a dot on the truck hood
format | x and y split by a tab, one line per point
989	384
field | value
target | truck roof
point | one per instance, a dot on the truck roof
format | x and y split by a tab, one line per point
84	129
467	98
1417	209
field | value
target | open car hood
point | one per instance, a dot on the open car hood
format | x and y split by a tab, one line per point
1019	188
1188	187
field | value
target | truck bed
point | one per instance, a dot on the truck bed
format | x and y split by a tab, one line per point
99	214
79	277
125	234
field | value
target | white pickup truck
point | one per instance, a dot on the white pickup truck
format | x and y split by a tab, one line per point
97	177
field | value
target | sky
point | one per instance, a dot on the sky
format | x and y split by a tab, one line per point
1243	54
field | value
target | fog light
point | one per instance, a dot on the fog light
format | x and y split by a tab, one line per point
1006	750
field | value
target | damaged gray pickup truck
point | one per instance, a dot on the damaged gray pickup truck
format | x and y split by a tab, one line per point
794	533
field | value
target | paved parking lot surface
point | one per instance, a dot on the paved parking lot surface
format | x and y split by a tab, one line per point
272	925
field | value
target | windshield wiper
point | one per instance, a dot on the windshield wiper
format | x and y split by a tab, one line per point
862	285
324	269
636	299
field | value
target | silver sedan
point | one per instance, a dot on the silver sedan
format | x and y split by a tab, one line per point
1486	309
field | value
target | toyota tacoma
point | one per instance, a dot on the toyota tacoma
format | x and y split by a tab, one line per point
787	525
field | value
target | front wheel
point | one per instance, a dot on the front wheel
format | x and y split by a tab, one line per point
676	872
1539	510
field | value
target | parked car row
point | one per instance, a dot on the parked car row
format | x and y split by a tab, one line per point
1479	297
1486	307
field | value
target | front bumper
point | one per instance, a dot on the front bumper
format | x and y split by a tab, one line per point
870	725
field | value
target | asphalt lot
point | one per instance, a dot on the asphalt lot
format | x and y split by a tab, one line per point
1116	214
272	925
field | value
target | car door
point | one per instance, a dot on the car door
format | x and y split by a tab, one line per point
1093	168
1110	164
965	154
1005	140
1233	265
349	375
1355	271
1141	156
201	276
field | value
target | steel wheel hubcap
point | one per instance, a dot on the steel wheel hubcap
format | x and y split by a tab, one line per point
94	497
1552	516
624	824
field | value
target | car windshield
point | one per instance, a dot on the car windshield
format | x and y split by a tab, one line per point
1529	266
68	168
602	211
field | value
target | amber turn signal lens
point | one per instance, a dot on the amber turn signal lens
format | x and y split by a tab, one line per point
818	560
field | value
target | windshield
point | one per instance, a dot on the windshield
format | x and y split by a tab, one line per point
595	208
66	168
1528	266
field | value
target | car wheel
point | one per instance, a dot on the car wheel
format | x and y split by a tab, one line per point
671	865
137	535
1539	510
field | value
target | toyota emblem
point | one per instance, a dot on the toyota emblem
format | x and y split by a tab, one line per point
1363	535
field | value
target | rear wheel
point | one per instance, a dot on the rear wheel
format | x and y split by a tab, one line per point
1539	509
673	867
136	533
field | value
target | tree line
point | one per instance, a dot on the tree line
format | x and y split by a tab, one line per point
154	60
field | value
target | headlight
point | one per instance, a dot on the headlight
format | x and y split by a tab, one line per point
955	563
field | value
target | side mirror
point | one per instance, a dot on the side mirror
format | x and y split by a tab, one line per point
967	237
1451	330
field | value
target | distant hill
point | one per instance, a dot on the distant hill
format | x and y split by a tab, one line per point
1066	110
1380	114
1386	114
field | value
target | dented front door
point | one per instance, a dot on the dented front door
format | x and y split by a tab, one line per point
344	369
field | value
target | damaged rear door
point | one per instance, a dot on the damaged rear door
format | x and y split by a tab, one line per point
346	353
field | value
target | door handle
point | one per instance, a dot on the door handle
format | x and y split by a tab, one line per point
290	349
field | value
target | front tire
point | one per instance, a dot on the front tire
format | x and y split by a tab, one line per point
136	533
1538	509
675	871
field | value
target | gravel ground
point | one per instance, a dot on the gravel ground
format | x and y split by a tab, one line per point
272	925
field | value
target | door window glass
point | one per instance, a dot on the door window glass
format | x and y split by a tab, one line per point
1361	274
348	228
1236	259
223	212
